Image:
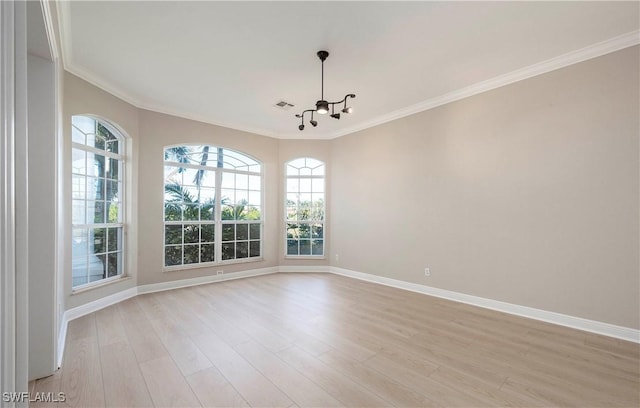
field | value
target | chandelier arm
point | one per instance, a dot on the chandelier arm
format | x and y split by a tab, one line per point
301	115
322	106
343	99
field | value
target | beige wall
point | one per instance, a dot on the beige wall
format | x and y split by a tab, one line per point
82	98
293	149
158	130
148	133
527	194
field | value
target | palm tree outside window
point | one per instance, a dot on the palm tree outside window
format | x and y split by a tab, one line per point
212	206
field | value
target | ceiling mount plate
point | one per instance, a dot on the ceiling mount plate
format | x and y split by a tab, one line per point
323	55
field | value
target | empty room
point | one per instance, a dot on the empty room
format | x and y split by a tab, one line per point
320	204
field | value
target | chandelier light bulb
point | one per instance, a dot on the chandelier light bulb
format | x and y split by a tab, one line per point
322	107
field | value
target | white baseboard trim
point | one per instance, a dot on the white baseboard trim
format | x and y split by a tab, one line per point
308	269
592	326
85	309
101	303
62	339
183	283
106	301
579	323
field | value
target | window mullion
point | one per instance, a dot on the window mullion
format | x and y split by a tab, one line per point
208	168
219	225
218	217
182	244
123	194
93	150
107	256
294	179
102	225
189	166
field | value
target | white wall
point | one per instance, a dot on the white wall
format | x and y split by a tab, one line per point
42	217
27	199
14	293
21	200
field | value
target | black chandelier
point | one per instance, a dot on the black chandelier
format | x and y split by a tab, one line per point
322	106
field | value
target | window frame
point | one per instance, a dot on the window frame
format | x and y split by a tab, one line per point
287	221
121	157
218	222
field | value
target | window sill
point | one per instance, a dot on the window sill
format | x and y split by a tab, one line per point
220	264
99	284
306	257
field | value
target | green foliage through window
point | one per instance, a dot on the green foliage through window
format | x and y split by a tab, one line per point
97	200
305	207
211	191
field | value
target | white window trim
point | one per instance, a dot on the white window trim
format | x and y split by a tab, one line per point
218	221
323	222
122	175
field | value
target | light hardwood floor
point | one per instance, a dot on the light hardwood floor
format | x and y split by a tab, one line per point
321	340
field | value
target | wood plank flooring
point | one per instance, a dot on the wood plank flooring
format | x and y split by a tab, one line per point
320	340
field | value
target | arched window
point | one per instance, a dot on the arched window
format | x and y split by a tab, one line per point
212	206
305	207
97	169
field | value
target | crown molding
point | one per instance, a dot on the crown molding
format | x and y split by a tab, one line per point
66	48
64	22
201	118
50	28
592	51
140	104
63	9
570	58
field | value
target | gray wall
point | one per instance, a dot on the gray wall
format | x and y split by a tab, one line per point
526	194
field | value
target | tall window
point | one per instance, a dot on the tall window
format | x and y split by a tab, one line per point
212	206
97	201
305	207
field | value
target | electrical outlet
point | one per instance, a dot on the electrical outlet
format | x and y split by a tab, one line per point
220	272
427	271
337	257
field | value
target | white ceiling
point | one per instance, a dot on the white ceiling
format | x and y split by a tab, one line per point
228	63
